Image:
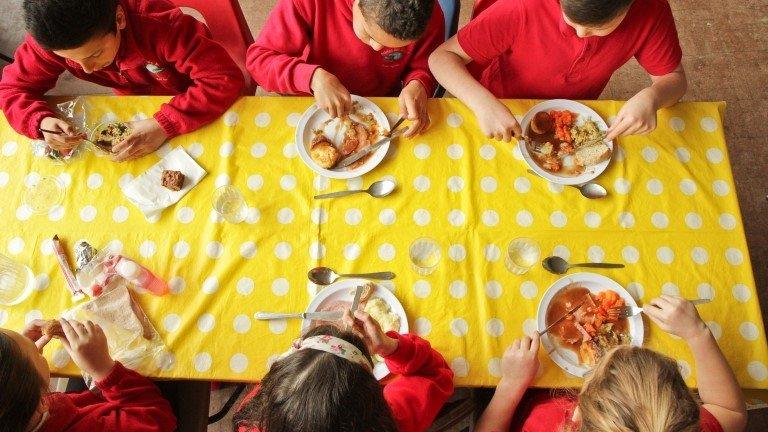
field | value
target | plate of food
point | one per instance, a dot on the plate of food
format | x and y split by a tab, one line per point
376	300
324	141
105	135
565	142
579	341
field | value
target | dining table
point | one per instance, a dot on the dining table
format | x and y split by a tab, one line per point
671	217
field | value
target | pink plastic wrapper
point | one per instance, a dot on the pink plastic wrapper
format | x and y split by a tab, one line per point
107	265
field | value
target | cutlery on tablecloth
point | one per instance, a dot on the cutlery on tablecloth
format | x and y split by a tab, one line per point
588	190
377	189
326	276
557	265
320	316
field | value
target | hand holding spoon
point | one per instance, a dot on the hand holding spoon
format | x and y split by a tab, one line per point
377	189
326	276
557	265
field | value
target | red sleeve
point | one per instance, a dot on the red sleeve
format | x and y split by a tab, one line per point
32	73
217	81
133	403
424	385
418	68
708	422
660	53
492	32
276	59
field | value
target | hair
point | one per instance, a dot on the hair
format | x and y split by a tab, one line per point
635	389
21	386
316	391
593	12
404	19
67	24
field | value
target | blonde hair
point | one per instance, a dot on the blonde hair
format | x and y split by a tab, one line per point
635	389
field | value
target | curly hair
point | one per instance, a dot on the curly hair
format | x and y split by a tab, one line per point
316	391
404	19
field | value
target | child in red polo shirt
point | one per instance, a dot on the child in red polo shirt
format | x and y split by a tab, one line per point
324	383
122	401
331	48
545	49
134	46
630	388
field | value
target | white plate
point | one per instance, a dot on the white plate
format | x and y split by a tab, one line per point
565	358
339	291
314	117
584	113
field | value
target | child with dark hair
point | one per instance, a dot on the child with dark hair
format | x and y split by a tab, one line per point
544	49
139	47
125	401
629	389
331	48
324	383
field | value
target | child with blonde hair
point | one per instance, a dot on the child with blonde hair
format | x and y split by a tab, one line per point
631	389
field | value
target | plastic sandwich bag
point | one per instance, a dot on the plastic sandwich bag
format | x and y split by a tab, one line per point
131	337
75	112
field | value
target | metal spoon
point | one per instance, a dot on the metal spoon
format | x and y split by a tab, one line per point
326	276
557	265
377	189
589	190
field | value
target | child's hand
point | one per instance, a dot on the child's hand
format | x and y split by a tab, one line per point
497	122
63	142
34	332
636	117
146	136
520	362
330	93
87	345
370	330
677	316
413	106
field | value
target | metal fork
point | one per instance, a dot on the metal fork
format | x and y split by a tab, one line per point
630	311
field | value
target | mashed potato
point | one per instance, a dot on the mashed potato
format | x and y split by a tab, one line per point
379	310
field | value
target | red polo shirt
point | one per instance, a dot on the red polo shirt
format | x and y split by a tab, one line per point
302	35
162	52
526	50
540	411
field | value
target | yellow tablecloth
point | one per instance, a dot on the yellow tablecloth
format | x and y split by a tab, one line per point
672	217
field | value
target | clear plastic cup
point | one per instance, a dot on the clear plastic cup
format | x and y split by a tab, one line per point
522	254
425	255
230	204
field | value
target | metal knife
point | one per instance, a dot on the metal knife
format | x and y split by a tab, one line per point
356	301
354	157
320	316
570	312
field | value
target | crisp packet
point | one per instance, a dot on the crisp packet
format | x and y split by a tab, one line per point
131	337
75	112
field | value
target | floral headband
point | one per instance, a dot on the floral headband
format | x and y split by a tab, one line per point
331	344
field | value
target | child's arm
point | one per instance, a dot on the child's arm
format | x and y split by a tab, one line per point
660	56
448	63
425	380
132	402
217	81
24	82
718	388
275	59
424	384
519	367
216	84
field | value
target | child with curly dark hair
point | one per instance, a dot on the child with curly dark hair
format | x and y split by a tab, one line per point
331	48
